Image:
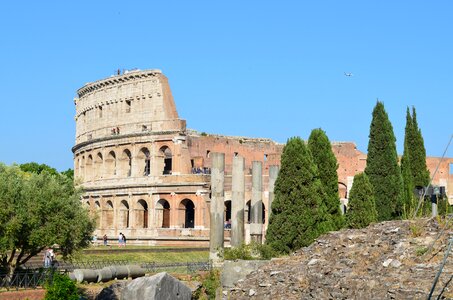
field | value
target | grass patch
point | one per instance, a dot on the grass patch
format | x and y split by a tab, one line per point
145	256
167	256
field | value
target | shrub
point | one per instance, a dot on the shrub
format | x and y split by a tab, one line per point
61	287
250	252
210	284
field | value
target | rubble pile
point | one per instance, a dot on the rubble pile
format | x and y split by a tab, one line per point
389	260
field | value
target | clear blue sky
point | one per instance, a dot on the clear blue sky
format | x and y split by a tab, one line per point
245	68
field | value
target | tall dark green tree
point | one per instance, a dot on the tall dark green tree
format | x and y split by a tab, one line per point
325	160
417	152
298	214
361	207
406	170
382	166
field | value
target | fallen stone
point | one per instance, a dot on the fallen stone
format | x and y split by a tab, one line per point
161	286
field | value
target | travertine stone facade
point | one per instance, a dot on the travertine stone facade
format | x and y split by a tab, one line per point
147	176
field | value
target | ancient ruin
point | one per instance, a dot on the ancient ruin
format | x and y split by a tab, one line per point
148	176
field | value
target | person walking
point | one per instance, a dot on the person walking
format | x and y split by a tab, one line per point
47	259
104	238
124	240
120	239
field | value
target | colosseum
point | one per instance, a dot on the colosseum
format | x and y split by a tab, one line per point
148	176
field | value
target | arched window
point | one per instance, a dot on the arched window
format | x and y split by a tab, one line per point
163	214
167	156
124	215
342	190
248	211
108	215
89	168
188	213
126	163
144	161
82	168
142	214
110	163
98	166
97	207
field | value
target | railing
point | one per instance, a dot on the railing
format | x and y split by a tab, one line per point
36	276
28	279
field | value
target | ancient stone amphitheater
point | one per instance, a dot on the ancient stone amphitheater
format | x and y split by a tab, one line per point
147	176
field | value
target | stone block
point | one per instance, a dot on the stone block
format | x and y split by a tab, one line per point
161	286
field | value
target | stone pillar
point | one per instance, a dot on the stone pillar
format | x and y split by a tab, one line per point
273	173
434	205
216	208
237	203
256	215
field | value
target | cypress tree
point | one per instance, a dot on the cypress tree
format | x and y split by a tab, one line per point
406	170
417	153
361	207
382	166
298	215
325	160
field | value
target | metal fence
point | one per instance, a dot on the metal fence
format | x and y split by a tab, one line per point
31	278
27	279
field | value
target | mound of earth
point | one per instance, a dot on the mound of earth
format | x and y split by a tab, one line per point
389	260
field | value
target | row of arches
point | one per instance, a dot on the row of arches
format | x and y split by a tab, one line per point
161	214
123	164
141	210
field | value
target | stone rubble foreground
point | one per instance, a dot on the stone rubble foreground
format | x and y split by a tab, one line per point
383	261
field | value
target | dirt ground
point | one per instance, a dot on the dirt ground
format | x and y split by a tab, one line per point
37	294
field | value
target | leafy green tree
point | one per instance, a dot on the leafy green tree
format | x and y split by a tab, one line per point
361	207
69	173
325	160
37	211
34	167
382	166
298	212
416	147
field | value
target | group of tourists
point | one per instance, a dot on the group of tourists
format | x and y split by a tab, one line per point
121	240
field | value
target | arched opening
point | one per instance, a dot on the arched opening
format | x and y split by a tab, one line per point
77	166
227	214
97	207
89	168
124	215
142	214
163	214
188	209
342	190
144	161
98	166
126	163
166	154
110	163
108	214
248	211
82	168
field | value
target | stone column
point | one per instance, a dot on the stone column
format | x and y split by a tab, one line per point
273	173
216	208
256	215
237	203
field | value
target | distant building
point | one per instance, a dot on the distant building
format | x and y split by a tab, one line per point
146	175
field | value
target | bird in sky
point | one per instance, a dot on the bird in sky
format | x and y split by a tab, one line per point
347	74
